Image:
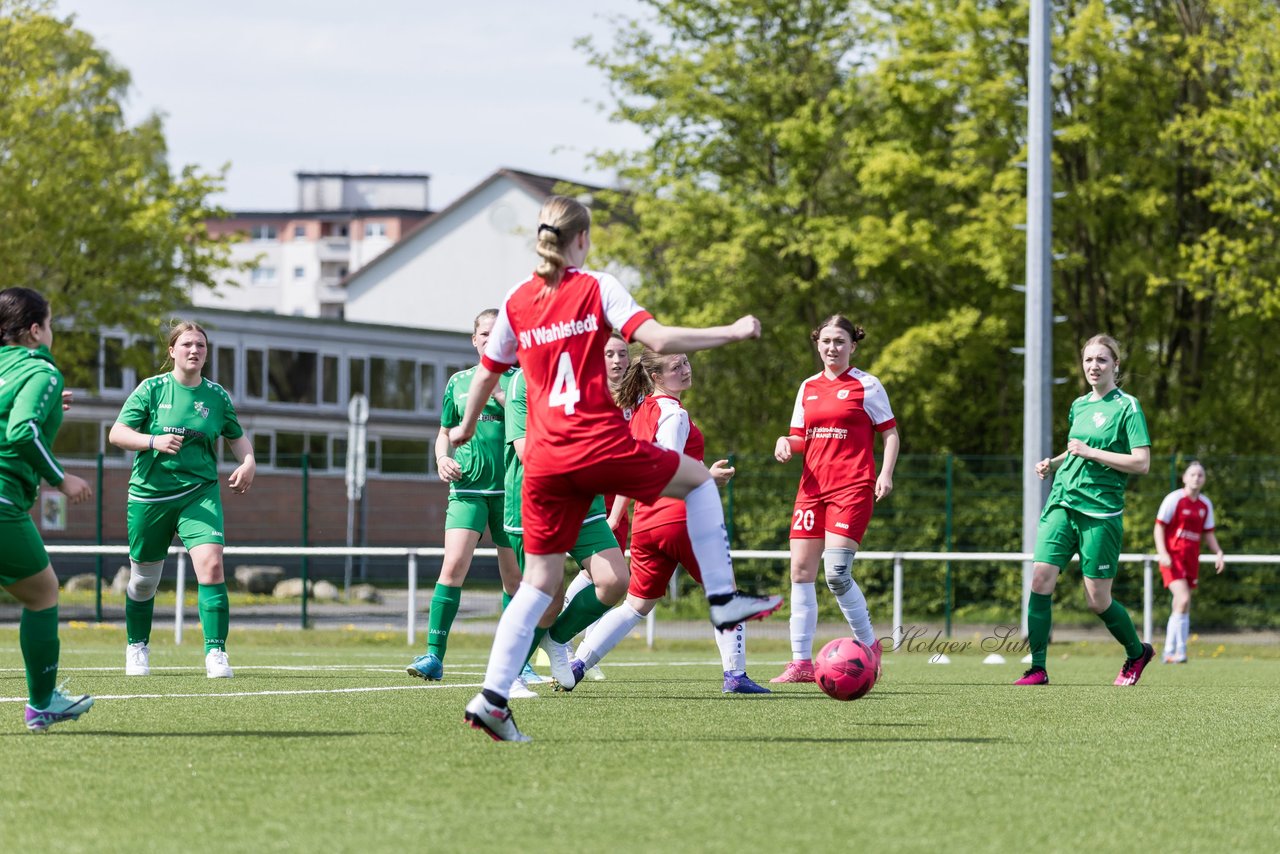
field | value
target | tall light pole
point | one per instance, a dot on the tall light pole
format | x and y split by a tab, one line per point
1037	375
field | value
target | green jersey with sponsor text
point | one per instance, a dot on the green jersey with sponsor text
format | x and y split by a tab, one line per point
480	458
200	415
1113	423
517	416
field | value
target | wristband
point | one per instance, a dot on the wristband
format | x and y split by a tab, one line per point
151	443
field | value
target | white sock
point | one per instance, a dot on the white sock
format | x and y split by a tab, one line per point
514	635
838	565
579	583
1185	634
804	620
1172	632
607	633
710	540
733	648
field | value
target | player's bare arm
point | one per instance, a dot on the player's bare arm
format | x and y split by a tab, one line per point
681	339
1137	461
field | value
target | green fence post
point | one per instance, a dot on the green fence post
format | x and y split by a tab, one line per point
306	507
728	513
950	491
1173	471
98	523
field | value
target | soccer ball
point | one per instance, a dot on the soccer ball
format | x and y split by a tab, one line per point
845	669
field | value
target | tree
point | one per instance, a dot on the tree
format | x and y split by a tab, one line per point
820	156
91	214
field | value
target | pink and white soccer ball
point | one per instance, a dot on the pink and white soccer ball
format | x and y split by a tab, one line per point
845	669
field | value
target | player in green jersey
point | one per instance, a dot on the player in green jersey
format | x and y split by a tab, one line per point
31	404
474	474
1107	441
596	552
173	423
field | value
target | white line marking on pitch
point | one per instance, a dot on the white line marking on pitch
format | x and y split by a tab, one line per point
314	691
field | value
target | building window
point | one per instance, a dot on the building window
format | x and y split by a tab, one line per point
300	231
112	363
357	381
427	387
375	229
391	383
329	380
291	447
299	272
254	369
109	450
291	376
263	232
78	439
262	275
226	363
404	456
263	443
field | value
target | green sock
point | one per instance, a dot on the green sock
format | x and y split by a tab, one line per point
444	607
215	613
1039	623
538	634
506	599
137	619
584	610
1117	620
38	637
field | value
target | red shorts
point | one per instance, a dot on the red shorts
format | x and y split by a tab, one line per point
654	555
845	513
1183	566
554	505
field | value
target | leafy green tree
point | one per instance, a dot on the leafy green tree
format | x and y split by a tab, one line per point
91	214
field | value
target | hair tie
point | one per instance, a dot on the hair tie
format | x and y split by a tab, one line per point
551	228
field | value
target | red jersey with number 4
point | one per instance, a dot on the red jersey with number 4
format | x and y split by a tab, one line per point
838	419
662	420
1185	520
558	339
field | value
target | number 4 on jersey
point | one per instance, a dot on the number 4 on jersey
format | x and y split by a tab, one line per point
564	391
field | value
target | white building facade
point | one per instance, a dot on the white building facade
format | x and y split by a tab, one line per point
296	260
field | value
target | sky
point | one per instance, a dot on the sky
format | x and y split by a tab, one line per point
455	90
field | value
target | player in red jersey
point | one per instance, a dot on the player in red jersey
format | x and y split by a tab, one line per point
660	539
1184	520
617	358
837	414
578	445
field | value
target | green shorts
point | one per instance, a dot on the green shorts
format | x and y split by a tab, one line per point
1065	532
594	538
196	518
22	553
474	512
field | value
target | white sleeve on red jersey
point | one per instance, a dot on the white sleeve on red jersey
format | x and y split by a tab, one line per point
500	350
673	426
1208	517
620	309
797	412
876	402
1168	507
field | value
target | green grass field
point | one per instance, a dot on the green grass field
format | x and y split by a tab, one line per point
322	743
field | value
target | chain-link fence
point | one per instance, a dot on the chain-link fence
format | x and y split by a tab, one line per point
940	503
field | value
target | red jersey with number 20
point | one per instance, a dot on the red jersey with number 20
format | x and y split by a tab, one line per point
558	339
662	420
838	419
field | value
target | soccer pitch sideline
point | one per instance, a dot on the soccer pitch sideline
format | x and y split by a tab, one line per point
322	743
